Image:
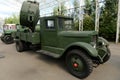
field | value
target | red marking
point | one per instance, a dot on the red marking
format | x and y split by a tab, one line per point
75	65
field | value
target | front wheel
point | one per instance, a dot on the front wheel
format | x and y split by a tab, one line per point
8	39
79	64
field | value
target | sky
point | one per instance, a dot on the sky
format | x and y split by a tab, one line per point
10	7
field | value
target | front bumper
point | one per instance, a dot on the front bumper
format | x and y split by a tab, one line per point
102	53
103	50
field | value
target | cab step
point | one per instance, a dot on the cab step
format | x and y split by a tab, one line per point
54	55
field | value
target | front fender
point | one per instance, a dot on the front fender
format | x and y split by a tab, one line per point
87	47
102	41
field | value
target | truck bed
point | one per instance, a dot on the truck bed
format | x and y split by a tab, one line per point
33	38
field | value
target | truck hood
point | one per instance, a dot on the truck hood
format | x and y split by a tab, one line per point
77	33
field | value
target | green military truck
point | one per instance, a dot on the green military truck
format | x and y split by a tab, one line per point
8	29
57	38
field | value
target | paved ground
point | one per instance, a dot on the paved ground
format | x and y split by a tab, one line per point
32	66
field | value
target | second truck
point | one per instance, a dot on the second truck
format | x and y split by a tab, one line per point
8	30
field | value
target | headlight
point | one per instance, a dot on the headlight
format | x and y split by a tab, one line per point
93	44
102	42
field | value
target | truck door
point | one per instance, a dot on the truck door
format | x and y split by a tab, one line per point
49	33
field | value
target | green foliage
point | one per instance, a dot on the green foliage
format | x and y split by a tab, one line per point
55	11
76	11
88	23
14	19
76	25
108	17
108	20
59	10
75	14
88	9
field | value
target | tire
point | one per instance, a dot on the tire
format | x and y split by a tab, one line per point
107	57
19	46
26	46
8	39
79	64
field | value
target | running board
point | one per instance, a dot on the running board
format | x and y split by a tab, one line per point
48	53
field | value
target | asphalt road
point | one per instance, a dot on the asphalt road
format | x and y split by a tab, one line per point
32	66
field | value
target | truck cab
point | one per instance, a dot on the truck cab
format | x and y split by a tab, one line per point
58	33
51	28
58	38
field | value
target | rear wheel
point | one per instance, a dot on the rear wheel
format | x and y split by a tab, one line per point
26	46
22	46
79	64
19	46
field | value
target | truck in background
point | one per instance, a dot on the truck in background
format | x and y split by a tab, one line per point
8	29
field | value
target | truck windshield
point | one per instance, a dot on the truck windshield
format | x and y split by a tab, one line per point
65	24
9	27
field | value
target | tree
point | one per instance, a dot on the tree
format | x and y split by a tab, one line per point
89	11
75	14
76	10
14	19
88	23
56	10
108	19
89	17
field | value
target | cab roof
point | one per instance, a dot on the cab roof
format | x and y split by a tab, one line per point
64	17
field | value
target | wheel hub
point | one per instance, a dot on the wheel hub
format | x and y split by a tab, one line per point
75	65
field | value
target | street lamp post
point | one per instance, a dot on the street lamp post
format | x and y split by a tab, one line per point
97	17
80	16
118	23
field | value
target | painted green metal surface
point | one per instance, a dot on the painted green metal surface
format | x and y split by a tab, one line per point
56	34
25	35
85	46
57	41
77	33
33	38
29	14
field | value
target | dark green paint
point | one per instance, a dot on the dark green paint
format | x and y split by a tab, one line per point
56	34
